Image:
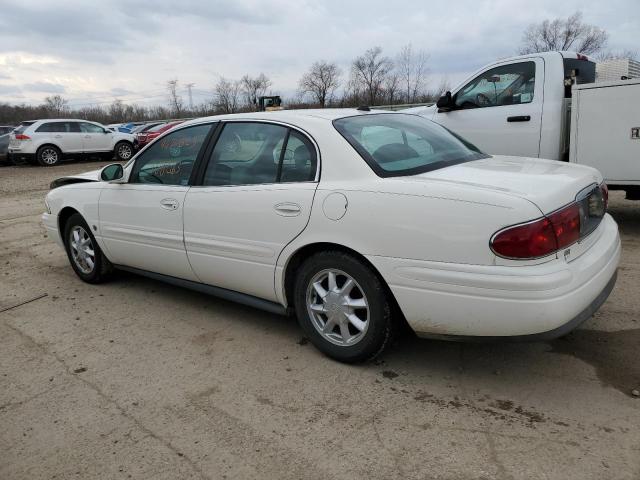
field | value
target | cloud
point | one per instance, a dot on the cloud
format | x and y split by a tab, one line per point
99	51
45	87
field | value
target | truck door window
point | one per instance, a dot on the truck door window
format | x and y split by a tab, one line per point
504	85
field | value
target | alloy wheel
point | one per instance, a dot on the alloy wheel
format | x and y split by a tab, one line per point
124	151
338	307
82	250
49	156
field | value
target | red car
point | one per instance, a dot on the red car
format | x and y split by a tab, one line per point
145	137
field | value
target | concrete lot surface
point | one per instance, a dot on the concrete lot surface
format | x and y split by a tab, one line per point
137	379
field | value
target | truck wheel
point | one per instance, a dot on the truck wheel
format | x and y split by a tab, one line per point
123	151
343	307
48	156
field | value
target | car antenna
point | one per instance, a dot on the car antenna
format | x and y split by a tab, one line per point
364	108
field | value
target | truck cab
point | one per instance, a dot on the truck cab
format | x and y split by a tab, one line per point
522	106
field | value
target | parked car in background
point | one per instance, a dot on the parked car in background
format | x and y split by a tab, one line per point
48	142
146	137
6	129
355	221
145	127
4	146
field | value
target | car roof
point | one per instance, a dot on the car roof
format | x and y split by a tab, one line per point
291	116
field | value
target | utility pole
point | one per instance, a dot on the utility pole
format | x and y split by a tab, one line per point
189	87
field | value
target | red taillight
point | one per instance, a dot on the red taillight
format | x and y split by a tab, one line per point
566	225
605	195
541	237
21	136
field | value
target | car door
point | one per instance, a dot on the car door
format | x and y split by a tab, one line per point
500	110
94	138
141	220
254	198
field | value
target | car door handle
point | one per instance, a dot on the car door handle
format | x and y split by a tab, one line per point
519	118
287	209
169	203
57	136
87	136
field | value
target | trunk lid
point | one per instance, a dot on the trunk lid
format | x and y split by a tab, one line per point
546	183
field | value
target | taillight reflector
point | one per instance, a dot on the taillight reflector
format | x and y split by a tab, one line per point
21	136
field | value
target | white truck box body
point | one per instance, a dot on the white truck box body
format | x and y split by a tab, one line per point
603	118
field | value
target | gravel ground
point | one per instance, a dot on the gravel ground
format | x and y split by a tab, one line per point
137	379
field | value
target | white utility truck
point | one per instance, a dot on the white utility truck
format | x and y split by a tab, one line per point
547	105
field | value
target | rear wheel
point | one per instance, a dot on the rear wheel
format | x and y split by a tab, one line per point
84	253
48	155
123	151
343	307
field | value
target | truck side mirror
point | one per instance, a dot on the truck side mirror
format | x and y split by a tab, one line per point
445	103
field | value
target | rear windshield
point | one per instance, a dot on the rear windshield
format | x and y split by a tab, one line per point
399	144
22	127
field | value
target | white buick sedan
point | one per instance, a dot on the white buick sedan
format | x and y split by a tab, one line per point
356	221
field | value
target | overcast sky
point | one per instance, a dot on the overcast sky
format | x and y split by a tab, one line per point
93	52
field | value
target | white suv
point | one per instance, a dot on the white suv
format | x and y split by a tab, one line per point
47	142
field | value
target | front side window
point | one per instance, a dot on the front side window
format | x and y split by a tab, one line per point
170	160
90	128
506	85
398	144
247	153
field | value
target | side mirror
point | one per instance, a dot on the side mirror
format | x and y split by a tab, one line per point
112	173
445	103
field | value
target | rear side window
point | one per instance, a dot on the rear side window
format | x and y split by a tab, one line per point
250	153
58	127
399	144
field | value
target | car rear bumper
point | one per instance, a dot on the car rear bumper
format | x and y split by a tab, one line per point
527	302
19	156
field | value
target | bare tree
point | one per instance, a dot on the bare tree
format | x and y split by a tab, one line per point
227	95
391	87
564	34
369	71
433	95
412	68
321	81
117	111
175	100
254	88
56	105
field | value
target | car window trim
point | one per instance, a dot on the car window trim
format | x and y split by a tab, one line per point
198	181
213	127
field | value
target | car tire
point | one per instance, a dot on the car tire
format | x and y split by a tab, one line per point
48	156
84	253
328	318
123	151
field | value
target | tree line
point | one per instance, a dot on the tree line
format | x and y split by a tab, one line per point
373	78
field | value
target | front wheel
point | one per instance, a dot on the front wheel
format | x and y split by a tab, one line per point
84	253
123	151
343	307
